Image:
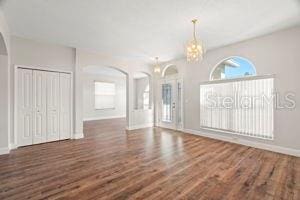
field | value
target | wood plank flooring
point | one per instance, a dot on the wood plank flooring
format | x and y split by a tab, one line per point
153	163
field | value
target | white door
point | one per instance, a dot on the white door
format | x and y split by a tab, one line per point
24	136
65	105
39	106
171	104
52	106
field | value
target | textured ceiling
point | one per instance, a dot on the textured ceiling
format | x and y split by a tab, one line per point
143	29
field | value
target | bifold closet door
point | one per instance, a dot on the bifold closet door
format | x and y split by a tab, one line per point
52	133
65	106
24	136
39	106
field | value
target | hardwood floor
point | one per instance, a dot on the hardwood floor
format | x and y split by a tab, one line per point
154	163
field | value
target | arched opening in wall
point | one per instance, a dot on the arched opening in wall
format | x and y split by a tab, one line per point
169	99
4	98
105	98
170	70
142	114
233	67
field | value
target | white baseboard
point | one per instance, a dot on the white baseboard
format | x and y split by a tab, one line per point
134	127
78	136
12	146
4	150
100	118
259	145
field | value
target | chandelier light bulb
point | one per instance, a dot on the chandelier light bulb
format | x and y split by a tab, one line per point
156	67
194	49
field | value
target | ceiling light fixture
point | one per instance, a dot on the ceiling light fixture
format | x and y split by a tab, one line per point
194	49
156	67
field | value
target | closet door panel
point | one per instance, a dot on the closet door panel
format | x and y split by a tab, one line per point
52	106
24	133
39	107
65	106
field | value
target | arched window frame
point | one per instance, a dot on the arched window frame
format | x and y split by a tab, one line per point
227	58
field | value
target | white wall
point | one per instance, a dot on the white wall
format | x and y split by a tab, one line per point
33	53
140	85
4	85
278	54
89	111
39	54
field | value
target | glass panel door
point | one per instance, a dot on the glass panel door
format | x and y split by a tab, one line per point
167	102
179	124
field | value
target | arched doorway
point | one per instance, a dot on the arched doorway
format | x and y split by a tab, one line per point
105	95
170	95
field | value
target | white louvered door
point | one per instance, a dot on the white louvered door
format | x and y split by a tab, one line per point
24	136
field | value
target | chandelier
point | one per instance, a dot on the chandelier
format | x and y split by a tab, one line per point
194	49
156	67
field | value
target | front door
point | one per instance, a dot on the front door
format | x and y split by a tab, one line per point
170	112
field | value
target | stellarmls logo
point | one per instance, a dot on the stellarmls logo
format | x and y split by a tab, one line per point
240	101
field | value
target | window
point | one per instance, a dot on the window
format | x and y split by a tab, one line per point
146	98
233	67
105	95
241	104
167	102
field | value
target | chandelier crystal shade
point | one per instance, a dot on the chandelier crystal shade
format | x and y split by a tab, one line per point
194	49
156	67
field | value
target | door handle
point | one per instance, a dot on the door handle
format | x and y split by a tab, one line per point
173	105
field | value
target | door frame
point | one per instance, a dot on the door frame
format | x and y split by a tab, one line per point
14	143
177	79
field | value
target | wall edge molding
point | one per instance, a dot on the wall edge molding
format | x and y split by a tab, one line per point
259	145
78	136
12	146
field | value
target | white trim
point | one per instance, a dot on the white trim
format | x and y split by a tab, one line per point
4	150
48	69
235	133
12	146
140	126
78	136
100	118
266	76
259	145
165	69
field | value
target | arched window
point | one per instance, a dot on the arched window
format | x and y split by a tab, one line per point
233	67
169	70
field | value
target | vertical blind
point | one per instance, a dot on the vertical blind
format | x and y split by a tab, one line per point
241	106
104	95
